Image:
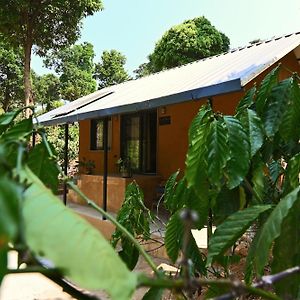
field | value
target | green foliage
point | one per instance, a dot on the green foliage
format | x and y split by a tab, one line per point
287	254
56	134
271	229
153	294
49	25
10	210
46	91
11	76
231	229
184	43
42	166
173	238
275	106
110	70
136	218
238	164
238	168
76	67
3	262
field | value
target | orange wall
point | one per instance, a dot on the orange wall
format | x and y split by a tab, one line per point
97	155
173	138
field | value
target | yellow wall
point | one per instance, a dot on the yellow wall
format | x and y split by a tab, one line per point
173	139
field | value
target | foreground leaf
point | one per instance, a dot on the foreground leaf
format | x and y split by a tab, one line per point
153	294
217	151
254	128
3	262
173	238
265	88
247	101
169	193
7	118
291	180
231	229
20	130
43	166
196	158
10	195
238	164
286	254
272	229
74	246
276	106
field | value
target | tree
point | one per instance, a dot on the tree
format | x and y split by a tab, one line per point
43	24
11	76
184	43
76	67
110	70
46	91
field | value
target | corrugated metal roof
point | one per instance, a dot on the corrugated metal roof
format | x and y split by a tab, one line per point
215	75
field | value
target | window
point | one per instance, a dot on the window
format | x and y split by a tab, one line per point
97	138
138	141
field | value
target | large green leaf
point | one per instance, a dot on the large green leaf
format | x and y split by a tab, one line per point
227	202
7	118
154	294
247	101
276	106
291	179
173	238
258	179
169	202
75	247
217	151
265	89
286	254
43	166
196	159
289	127
272	229
205	113
10	195
231	229
254	128
20	130
275	170
238	164
194	253
129	254
249	267
3	261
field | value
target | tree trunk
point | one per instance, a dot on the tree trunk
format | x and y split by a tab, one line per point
6	100
27	78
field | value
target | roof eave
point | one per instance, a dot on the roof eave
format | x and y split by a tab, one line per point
194	94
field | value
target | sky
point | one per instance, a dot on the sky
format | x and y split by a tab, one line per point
134	26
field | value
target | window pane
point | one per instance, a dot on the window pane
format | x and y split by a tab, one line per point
97	137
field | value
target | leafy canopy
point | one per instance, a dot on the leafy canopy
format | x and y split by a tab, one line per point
11	76
110	70
49	24
76	67
184	43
